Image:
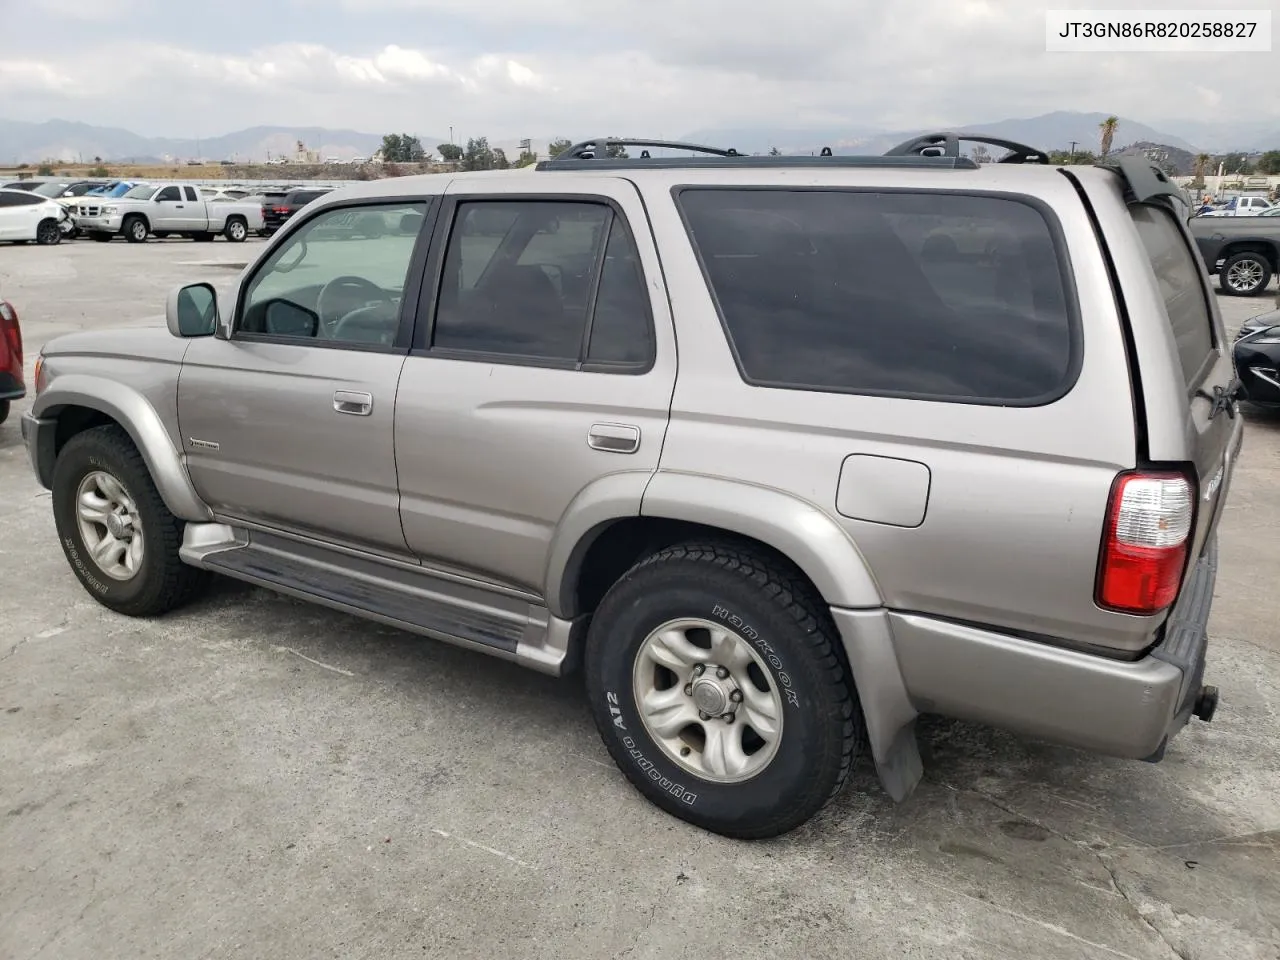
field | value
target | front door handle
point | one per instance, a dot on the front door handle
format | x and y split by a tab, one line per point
614	437
356	404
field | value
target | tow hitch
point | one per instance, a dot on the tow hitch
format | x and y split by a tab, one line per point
1206	703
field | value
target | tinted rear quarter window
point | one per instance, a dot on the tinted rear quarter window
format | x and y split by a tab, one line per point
924	295
1178	273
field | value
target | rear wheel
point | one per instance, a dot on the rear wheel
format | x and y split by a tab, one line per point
236	230
1244	274
717	682
119	537
135	230
48	233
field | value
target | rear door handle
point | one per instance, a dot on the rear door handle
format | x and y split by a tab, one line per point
356	404
614	437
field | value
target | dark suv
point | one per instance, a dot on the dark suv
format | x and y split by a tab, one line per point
277	211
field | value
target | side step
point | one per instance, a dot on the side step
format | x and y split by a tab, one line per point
399	595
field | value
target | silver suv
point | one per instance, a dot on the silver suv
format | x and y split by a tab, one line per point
781	452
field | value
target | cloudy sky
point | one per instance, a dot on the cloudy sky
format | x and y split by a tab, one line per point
507	68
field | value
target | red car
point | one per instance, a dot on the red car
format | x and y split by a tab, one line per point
12	386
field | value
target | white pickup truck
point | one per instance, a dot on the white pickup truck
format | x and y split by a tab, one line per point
165	210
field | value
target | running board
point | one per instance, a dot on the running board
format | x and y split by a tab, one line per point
398	594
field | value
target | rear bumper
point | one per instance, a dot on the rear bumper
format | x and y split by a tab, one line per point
1123	709
40	439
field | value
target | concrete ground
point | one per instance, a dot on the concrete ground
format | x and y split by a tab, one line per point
255	777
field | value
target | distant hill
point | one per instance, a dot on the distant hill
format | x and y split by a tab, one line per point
71	141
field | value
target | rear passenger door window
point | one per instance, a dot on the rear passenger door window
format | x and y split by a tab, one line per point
921	295
1179	272
543	282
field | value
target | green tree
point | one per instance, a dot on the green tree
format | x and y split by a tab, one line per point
616	151
1064	158
478	155
99	171
500	161
1269	163
450	152
44	170
402	148
527	158
558	146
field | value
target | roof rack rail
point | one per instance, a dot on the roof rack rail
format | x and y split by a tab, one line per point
594	155
947	144
599	148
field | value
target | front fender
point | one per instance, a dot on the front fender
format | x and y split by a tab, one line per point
139	419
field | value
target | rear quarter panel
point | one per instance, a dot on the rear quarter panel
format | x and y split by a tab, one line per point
1016	497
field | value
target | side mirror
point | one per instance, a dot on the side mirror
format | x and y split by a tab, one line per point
192	311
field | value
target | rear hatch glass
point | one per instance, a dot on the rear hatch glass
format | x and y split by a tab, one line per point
1183	285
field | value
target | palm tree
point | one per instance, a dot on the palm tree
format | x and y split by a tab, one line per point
1202	164
1108	128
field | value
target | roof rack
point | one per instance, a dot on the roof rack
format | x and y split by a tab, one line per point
947	144
594	155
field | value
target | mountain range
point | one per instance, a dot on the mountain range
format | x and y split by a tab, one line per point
25	142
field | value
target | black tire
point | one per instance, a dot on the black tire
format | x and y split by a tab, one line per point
163	581
135	229
102	237
236	230
768	607
1253	264
4	410
48	233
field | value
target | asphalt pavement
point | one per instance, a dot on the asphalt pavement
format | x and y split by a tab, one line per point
257	777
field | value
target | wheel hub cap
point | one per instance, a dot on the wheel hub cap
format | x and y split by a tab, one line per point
710	697
109	526
708	700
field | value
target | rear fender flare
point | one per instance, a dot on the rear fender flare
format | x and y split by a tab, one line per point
799	530
139	419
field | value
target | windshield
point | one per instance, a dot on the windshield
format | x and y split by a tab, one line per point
54	188
140	192
120	189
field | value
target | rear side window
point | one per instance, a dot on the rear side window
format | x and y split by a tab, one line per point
1178	273
929	296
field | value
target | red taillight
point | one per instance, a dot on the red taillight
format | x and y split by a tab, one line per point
1145	542
279	209
11	331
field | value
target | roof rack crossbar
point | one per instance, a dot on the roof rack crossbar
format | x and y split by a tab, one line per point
947	144
598	148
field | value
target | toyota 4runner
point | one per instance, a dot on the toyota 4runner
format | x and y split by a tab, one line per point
781	452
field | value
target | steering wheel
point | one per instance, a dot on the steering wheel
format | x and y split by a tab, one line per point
369	292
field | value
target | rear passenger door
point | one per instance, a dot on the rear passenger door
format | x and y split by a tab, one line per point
541	372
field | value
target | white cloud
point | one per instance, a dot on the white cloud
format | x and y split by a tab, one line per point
662	67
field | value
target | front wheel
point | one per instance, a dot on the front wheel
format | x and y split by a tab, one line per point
1244	274
117	534
717	682
48	233
135	230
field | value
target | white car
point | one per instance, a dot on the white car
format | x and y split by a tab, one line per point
28	216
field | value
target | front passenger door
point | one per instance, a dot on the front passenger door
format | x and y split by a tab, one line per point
288	423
